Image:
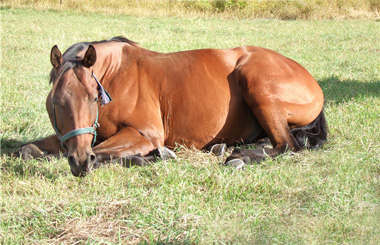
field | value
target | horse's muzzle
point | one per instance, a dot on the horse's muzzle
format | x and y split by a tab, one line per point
80	167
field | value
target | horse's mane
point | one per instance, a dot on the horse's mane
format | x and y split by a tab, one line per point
71	59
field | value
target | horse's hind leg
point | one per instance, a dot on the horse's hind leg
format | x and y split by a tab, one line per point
272	116
279	92
276	126
273	120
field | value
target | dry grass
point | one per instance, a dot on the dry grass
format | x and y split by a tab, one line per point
114	221
108	225
114	224
280	9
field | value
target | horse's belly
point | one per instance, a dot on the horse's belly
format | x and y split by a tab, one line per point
219	120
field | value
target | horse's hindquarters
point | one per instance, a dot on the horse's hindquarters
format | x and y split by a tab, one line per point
281	87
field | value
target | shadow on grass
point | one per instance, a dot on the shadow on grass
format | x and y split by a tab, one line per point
338	91
30	168
12	163
10	145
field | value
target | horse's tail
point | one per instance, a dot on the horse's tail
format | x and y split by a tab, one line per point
313	135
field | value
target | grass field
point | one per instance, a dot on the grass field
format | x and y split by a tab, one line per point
326	196
235	9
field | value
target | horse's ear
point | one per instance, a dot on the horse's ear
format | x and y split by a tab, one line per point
55	56
90	57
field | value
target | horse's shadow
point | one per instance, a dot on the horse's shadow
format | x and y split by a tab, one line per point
338	91
12	162
8	146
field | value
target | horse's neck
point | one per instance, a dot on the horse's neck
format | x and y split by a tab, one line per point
113	60
106	63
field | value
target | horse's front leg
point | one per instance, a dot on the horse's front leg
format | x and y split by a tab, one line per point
46	147
129	148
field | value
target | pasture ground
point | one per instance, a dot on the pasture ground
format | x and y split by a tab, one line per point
230	9
326	196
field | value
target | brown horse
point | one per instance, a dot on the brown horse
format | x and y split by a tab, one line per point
197	98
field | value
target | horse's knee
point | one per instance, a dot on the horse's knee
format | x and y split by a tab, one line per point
165	153
160	153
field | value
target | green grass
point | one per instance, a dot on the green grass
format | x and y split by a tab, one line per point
326	196
281	9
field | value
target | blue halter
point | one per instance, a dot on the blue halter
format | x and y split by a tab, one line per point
105	99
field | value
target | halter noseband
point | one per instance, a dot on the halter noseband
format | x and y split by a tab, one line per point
105	99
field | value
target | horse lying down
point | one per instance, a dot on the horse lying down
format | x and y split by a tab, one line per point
113	100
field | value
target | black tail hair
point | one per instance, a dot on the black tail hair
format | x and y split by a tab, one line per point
313	135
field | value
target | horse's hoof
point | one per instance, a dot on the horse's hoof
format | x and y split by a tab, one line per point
236	163
218	149
166	154
30	151
264	143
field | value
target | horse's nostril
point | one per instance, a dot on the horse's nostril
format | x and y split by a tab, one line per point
92	158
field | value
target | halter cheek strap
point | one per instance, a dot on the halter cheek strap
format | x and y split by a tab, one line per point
105	99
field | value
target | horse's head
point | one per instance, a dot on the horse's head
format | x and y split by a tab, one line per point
73	107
